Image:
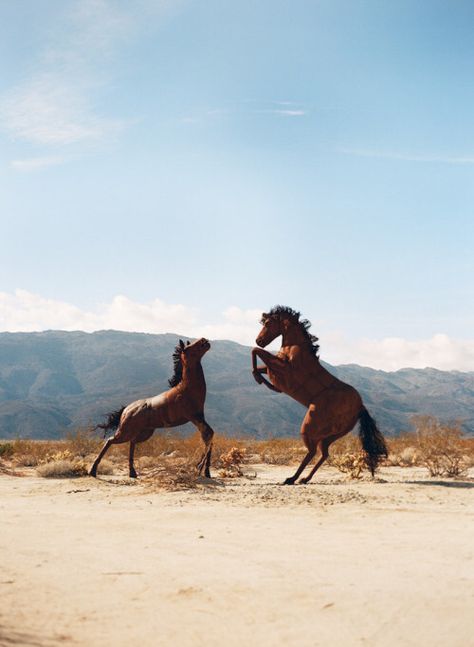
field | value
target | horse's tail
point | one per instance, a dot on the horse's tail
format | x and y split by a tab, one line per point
373	443
113	420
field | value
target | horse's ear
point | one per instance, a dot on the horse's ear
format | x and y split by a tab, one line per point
188	342
181	344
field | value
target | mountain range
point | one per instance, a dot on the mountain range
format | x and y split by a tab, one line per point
54	382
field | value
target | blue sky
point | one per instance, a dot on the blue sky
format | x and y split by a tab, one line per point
182	166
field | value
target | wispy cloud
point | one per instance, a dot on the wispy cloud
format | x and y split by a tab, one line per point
35	163
25	311
55	105
408	157
48	110
290	113
281	108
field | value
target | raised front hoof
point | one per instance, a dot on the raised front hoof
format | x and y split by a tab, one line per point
289	481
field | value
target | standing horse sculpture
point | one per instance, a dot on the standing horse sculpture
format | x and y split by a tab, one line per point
183	402
333	407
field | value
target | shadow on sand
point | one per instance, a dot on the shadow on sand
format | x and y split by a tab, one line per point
455	484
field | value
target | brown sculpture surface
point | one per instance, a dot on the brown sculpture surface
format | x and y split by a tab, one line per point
333	407
183	402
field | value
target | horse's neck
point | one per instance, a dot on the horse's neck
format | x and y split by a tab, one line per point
193	375
294	336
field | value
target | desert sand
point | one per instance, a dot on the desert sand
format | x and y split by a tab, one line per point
238	562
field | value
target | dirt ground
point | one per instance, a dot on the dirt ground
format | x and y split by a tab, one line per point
238	562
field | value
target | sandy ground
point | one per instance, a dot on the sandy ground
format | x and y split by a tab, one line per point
102	562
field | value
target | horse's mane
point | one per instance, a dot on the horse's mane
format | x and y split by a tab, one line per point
284	312
177	376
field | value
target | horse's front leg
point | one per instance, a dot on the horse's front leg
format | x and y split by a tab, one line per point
273	363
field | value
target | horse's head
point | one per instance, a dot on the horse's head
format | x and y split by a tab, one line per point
272	328
195	351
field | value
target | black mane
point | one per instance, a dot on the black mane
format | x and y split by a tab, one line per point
284	312
177	367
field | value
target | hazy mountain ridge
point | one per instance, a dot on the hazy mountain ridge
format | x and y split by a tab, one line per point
52	382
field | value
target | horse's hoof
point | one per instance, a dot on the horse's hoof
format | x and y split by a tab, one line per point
134	475
289	481
93	473
303	481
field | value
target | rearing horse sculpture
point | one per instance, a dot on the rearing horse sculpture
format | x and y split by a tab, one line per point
183	402
333	407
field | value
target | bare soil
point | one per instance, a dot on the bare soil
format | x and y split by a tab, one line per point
240	561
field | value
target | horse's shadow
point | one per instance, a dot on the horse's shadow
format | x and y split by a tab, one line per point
454	484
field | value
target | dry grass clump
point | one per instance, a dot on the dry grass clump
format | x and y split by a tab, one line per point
62	468
277	451
6	450
173	474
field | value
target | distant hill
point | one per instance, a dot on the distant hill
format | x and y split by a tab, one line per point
52	382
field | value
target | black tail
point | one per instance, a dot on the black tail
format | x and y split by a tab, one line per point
113	420
373	442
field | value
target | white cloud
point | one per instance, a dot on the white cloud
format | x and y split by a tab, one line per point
27	312
392	353
408	157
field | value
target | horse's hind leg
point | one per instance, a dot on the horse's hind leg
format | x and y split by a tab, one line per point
207	434
324	445
93	469
307	431
142	436
131	453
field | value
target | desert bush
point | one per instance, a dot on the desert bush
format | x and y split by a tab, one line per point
173	474
26	460
406	457
440	446
6	450
350	463
231	463
62	468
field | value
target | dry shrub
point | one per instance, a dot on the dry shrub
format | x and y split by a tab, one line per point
26	460
346	456
352	464
231	463
441	446
62	468
173	474
6	450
